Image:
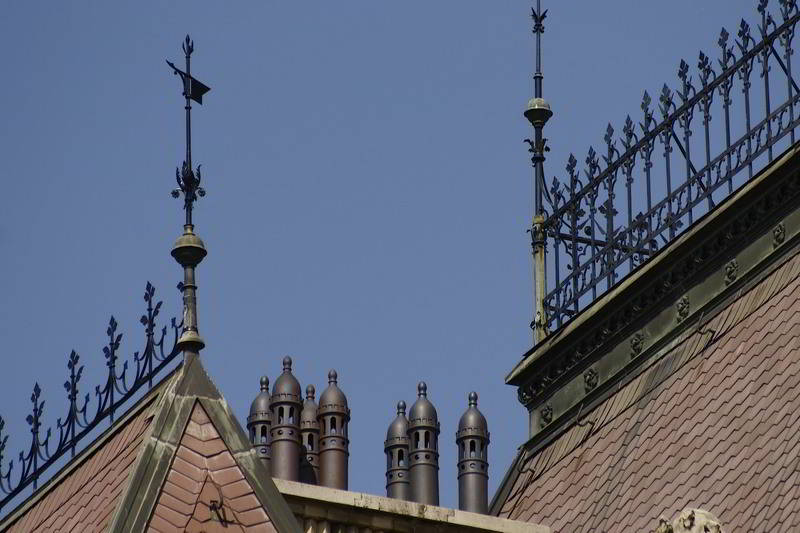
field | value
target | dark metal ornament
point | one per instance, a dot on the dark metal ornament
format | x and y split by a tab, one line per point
396	449
472	440
333	415
286	404
592	240
423	436
309	438
259	424
189	250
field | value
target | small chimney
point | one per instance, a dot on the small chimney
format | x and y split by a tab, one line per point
309	435
396	448
285	404
333	416
472	439
258	423
423	436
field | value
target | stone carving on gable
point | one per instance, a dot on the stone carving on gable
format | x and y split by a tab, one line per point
683	308
731	271
547	415
590	379
778	235
637	343
690	521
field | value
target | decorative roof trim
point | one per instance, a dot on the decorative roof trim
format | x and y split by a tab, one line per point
715	237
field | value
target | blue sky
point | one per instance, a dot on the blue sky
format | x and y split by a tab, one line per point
368	188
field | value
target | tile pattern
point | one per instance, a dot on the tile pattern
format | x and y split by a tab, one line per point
85	500
712	424
205	487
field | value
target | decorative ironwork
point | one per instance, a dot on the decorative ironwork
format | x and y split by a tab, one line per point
652	182
187	178
80	420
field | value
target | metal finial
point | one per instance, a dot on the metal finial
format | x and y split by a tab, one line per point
189	179
287	364
310	392
422	389
401	407
264	383
473	399
332	376
189	249
538	112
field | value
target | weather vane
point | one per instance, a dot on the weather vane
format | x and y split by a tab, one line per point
189	249
189	179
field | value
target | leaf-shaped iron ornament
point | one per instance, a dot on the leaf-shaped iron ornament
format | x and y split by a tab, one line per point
675	168
78	423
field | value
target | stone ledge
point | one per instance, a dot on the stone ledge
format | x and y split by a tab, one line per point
381	513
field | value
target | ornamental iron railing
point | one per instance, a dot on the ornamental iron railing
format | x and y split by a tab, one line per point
83	416
671	171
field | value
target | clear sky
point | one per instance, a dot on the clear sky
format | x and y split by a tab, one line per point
368	188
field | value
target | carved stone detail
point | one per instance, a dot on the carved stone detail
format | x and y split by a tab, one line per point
637	344
547	415
690	521
683	308
731	271
590	378
778	235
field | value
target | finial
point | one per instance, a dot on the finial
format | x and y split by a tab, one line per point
264	383
187	178
189	249
401	407
310	392
422	389
287	364
473	399
332	376
538	112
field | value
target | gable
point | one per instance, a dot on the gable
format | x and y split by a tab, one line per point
205	490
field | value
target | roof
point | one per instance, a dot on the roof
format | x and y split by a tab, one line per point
710	423
178	450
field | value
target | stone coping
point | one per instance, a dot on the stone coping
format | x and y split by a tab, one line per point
381	513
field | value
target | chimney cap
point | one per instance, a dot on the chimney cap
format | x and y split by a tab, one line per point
399	426
286	387
259	409
472	421
423	413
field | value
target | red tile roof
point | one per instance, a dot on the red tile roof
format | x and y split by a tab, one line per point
204	471
85	499
713	424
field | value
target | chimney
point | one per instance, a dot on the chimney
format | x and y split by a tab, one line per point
309	436
423	436
472	439
286	404
333	416
396	448
259	422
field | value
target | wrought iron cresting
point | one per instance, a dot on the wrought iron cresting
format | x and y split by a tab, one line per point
83	415
591	245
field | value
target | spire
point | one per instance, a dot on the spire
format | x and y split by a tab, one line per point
189	249
538	113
